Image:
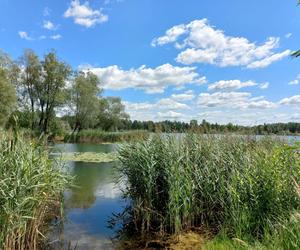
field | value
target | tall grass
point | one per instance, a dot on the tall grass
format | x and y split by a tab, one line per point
233	185
30	188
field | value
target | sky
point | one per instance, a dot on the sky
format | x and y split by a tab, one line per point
222	61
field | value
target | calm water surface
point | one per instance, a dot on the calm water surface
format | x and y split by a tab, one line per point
89	206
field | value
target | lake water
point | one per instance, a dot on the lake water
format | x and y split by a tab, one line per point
89	206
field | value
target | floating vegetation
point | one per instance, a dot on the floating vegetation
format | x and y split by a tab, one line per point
89	157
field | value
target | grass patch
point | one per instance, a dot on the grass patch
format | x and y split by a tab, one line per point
31	187
237	187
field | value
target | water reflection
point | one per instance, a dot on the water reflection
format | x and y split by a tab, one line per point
90	203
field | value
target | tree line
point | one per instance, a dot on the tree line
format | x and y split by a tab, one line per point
206	127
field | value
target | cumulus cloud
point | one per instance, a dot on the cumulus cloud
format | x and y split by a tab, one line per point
186	96
151	80
171	35
264	85
269	60
235	100
295	81
49	25
203	43
84	15
170	104
56	37
230	85
24	35
170	115
293	100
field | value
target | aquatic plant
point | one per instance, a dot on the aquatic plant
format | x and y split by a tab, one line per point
30	191
89	157
234	185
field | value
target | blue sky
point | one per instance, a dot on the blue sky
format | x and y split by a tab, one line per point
223	61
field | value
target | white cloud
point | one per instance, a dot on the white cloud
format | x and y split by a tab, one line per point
171	35
230	85
295	81
205	44
288	35
42	37
170	104
49	25
56	37
152	80
112	1
186	96
264	85
269	60
293	100
236	107
24	35
170	115
46	11
84	15
234	100
162	109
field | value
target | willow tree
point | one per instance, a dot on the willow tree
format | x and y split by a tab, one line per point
51	90
30	79
85	95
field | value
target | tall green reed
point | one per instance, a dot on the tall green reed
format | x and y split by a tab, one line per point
31	186
234	184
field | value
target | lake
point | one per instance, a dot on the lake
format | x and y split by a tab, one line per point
90	204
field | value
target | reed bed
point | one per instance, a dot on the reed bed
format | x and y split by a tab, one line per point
234	186
31	188
98	136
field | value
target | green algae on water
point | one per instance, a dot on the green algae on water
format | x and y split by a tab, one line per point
89	157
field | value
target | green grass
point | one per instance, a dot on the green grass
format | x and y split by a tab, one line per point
31	188
236	187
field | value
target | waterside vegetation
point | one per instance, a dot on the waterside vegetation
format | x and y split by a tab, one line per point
31	187
242	192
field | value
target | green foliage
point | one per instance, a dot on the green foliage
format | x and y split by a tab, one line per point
240	186
99	136
30	187
7	97
85	100
112	113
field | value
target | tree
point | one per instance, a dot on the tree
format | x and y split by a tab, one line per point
7	97
111	113
31	78
85	99
51	91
